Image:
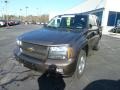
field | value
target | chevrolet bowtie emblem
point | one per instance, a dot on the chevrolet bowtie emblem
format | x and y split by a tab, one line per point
30	49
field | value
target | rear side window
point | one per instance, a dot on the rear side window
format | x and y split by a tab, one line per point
80	21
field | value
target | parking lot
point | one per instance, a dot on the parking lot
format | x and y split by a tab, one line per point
102	67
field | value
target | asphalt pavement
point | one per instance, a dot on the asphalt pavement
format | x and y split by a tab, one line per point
102	70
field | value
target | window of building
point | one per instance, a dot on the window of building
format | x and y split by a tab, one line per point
117	23
112	18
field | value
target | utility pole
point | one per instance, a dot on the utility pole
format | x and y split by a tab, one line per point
37	11
20	15
26	11
1	9
6	6
37	15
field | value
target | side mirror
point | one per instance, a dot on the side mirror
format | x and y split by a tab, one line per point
90	26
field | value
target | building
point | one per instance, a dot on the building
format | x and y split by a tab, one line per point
107	10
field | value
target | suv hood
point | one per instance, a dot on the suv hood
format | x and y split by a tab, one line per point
50	37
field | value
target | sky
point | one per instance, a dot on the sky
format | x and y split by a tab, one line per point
37	7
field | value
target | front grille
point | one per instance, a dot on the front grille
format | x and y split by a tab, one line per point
34	50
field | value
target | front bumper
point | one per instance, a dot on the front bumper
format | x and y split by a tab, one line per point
64	67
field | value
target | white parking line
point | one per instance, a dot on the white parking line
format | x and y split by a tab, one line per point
3	38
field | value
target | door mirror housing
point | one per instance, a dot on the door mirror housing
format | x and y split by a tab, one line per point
90	26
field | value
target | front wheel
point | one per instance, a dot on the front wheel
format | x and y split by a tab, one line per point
97	46
81	63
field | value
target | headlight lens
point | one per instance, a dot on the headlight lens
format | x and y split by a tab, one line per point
59	52
19	42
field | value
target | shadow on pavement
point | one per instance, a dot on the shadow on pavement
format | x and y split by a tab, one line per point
51	81
104	85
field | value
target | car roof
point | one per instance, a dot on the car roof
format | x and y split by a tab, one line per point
77	14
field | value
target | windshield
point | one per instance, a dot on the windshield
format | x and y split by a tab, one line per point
69	21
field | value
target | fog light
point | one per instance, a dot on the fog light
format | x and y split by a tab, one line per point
59	70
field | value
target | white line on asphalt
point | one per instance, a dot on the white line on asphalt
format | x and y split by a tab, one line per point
3	38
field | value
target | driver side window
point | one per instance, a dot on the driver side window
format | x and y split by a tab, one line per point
93	22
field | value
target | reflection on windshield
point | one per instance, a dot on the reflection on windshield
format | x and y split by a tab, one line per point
75	21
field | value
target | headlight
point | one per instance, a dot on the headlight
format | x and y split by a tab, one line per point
19	42
59	52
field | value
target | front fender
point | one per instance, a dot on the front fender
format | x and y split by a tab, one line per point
79	44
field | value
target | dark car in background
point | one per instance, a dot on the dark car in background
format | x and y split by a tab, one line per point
64	43
115	29
13	22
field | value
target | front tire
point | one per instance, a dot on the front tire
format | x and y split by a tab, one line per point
81	63
97	46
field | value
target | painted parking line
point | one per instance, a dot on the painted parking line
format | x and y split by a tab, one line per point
3	38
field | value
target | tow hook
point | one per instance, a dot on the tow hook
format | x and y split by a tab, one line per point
52	71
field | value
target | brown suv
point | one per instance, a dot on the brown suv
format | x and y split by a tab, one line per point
64	42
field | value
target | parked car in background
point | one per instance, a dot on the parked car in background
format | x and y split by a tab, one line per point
3	23
38	23
62	45
16	22
115	29
11	22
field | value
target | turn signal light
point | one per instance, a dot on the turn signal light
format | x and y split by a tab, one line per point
70	53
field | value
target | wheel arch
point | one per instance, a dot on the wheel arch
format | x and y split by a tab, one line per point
86	48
